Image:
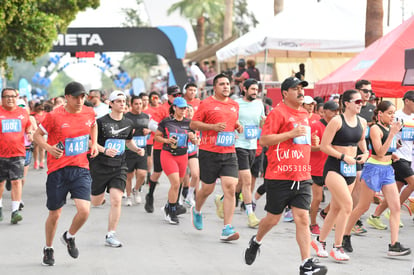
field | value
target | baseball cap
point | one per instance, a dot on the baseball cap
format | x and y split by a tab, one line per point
409	95
172	90
75	89
331	105
292	82
241	62
180	102
116	95
308	100
20	102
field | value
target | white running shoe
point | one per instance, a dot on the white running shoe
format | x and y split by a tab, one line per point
320	248
128	201
137	196
339	254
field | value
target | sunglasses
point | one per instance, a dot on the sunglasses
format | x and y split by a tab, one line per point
9	96
366	91
356	101
176	95
154	97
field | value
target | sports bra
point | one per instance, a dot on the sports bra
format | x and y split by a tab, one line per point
385	134
346	135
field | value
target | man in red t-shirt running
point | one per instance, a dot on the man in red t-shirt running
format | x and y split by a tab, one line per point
70	129
288	179
14	122
217	119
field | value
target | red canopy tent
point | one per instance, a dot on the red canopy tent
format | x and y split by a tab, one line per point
382	63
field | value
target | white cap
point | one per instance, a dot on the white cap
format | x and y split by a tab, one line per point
21	102
308	100
117	95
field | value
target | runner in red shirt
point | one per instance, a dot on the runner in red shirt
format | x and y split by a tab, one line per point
217	119
317	160
14	123
288	179
190	93
70	129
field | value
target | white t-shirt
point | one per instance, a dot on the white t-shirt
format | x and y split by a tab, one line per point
101	110
406	150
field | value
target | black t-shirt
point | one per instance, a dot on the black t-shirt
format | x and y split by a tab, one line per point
139	122
367	112
180	129
113	134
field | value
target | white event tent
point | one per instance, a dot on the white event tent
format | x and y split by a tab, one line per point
326	26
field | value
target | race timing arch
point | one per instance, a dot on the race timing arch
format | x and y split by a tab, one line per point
167	41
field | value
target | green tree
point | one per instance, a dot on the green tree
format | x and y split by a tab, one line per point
197	10
29	27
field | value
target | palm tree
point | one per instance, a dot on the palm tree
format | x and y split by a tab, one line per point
373	23
228	20
198	10
278	6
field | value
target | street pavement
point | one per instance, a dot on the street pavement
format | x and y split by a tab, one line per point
152	246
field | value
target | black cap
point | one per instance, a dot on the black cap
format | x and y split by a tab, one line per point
249	82
292	82
172	90
409	95
242	62
75	89
331	105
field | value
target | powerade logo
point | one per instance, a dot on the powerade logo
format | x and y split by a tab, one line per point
79	39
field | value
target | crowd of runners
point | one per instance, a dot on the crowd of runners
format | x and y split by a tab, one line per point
104	153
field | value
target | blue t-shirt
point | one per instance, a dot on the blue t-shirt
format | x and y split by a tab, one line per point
250	114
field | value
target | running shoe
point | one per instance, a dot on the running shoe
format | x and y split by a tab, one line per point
137	196
387	216
21	205
312	267
229	234
128	201
320	248
346	243
41	165
219	207
323	214
36	165
170	215
149	203
1	214
70	244
251	252
48	258
16	217
242	207
398	250
181	209
376	223
339	254
189	202
196	219
288	216
359	228
315	230
112	241
252	220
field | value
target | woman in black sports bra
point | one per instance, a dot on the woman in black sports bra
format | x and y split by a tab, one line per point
378	175
342	136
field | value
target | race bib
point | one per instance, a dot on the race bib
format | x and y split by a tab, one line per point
348	170
306	139
117	144
140	141
191	148
225	139
407	133
181	139
11	125
76	146
393	146
251	131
